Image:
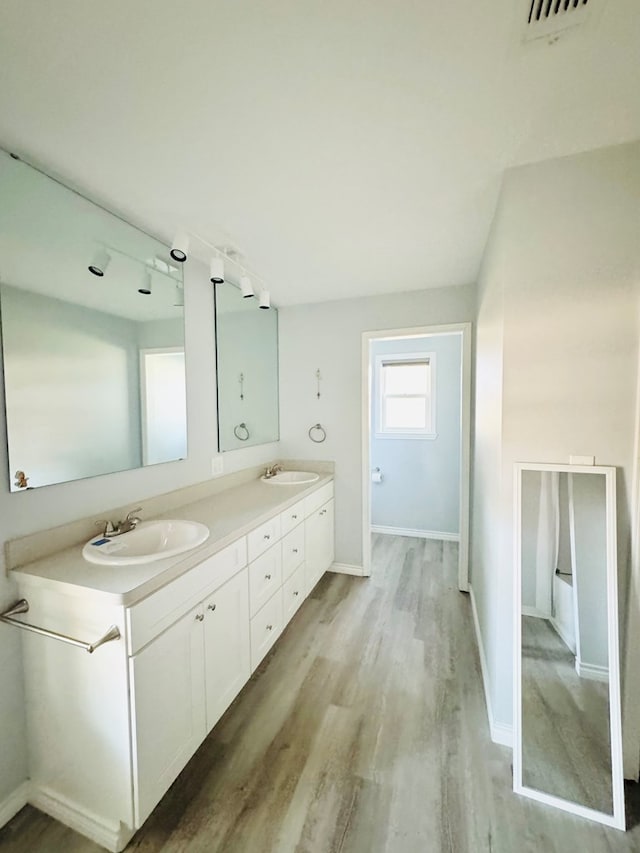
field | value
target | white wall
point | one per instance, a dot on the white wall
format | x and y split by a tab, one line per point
328	336
25	512
420	489
558	342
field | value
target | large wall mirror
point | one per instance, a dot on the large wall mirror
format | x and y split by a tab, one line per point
568	744
93	359
247	370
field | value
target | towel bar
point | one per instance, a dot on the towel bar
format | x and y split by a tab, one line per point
22	606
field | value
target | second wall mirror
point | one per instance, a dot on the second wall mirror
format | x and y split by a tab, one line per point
567	721
247	370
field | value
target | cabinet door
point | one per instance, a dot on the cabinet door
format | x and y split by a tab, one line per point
227	645
168	709
319	547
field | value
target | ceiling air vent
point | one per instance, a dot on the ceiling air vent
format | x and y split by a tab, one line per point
549	19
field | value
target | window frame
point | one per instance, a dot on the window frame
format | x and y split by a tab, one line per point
382	359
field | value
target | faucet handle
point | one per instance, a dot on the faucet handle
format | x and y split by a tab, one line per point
107	526
130	515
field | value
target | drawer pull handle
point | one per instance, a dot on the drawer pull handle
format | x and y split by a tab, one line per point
211	606
294	516
295	550
295	592
267	577
199	617
267	536
269	627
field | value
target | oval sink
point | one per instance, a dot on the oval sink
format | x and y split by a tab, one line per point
151	540
292	478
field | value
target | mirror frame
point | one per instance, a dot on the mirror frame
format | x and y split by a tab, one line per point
617	819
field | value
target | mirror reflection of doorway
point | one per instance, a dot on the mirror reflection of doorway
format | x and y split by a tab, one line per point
164	406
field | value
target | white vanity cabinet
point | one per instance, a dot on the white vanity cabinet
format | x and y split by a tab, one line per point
319	543
226	646
167	709
110	732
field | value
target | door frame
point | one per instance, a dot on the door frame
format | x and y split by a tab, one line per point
464	330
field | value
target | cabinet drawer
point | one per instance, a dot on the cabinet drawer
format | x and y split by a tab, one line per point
293	593
292	551
291	517
317	499
263	537
265	577
266	627
162	608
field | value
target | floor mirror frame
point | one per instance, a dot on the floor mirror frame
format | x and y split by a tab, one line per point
617	819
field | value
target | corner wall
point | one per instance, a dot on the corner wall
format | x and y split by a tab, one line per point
558	329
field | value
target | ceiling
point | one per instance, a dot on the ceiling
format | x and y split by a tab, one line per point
344	147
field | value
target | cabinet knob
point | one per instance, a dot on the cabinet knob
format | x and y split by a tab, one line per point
267	577
322	511
211	607
295	592
294	516
269	627
267	536
199	617
295	550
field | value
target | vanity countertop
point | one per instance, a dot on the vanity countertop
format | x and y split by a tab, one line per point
229	515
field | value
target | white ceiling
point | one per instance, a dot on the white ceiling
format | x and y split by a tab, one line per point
345	147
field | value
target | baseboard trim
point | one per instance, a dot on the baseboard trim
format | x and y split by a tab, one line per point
114	837
346	569
564	636
416	534
500	732
592	671
11	805
533	611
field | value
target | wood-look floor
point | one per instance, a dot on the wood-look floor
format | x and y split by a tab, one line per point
566	746
364	731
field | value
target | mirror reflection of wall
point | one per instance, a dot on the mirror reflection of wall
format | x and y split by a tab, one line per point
78	403
568	747
247	370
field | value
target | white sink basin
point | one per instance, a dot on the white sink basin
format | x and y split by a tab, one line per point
292	478
151	540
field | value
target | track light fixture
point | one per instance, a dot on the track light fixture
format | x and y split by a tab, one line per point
145	287
180	247
100	262
216	270
245	287
265	299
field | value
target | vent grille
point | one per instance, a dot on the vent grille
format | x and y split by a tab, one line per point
544	9
548	18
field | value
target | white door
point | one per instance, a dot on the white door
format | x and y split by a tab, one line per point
168	709
318	548
227	645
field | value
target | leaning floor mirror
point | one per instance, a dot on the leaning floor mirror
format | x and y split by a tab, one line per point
567	723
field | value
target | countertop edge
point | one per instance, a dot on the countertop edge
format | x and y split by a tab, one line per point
35	574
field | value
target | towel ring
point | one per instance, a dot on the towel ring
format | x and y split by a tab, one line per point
320	429
241	428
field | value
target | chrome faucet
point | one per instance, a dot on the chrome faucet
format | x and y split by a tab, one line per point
272	470
110	528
